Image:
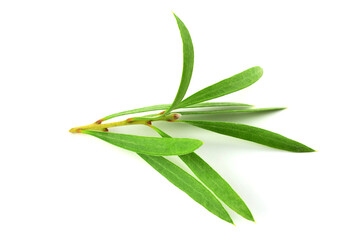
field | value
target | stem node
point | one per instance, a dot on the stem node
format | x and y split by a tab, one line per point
129	120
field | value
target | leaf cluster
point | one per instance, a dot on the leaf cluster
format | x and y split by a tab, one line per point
209	189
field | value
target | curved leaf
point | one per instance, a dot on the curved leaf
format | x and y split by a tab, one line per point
224	87
213	181
253	134
137	110
148	145
165	106
188	64
218	104
216	184
249	110
188	184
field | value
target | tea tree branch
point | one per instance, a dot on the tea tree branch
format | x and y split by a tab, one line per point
153	149
130	121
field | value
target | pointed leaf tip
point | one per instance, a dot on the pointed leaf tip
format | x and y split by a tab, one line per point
213	181
188	184
253	134
232	84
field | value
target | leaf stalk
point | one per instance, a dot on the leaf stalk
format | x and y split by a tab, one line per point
130	121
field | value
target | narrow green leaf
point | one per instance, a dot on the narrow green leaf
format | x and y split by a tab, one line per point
216	184
166	106
214	181
253	134
188	184
137	110
148	145
217	104
224	87
249	110
188	64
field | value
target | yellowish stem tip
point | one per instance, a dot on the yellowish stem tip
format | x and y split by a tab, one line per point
75	130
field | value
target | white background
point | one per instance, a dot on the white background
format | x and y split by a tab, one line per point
68	63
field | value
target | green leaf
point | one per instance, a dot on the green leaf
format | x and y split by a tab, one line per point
148	145
214	181
217	104
166	106
188	64
188	184
224	87
249	110
216	184
253	134
137	110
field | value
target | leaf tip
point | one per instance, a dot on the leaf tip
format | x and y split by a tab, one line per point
307	149
279	108
175	15
199	143
229	220
248	215
260	70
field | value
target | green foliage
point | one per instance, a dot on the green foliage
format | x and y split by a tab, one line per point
188	64
216	184
148	145
224	87
249	110
252	134
218	104
137	110
166	106
214	181
152	149
188	184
